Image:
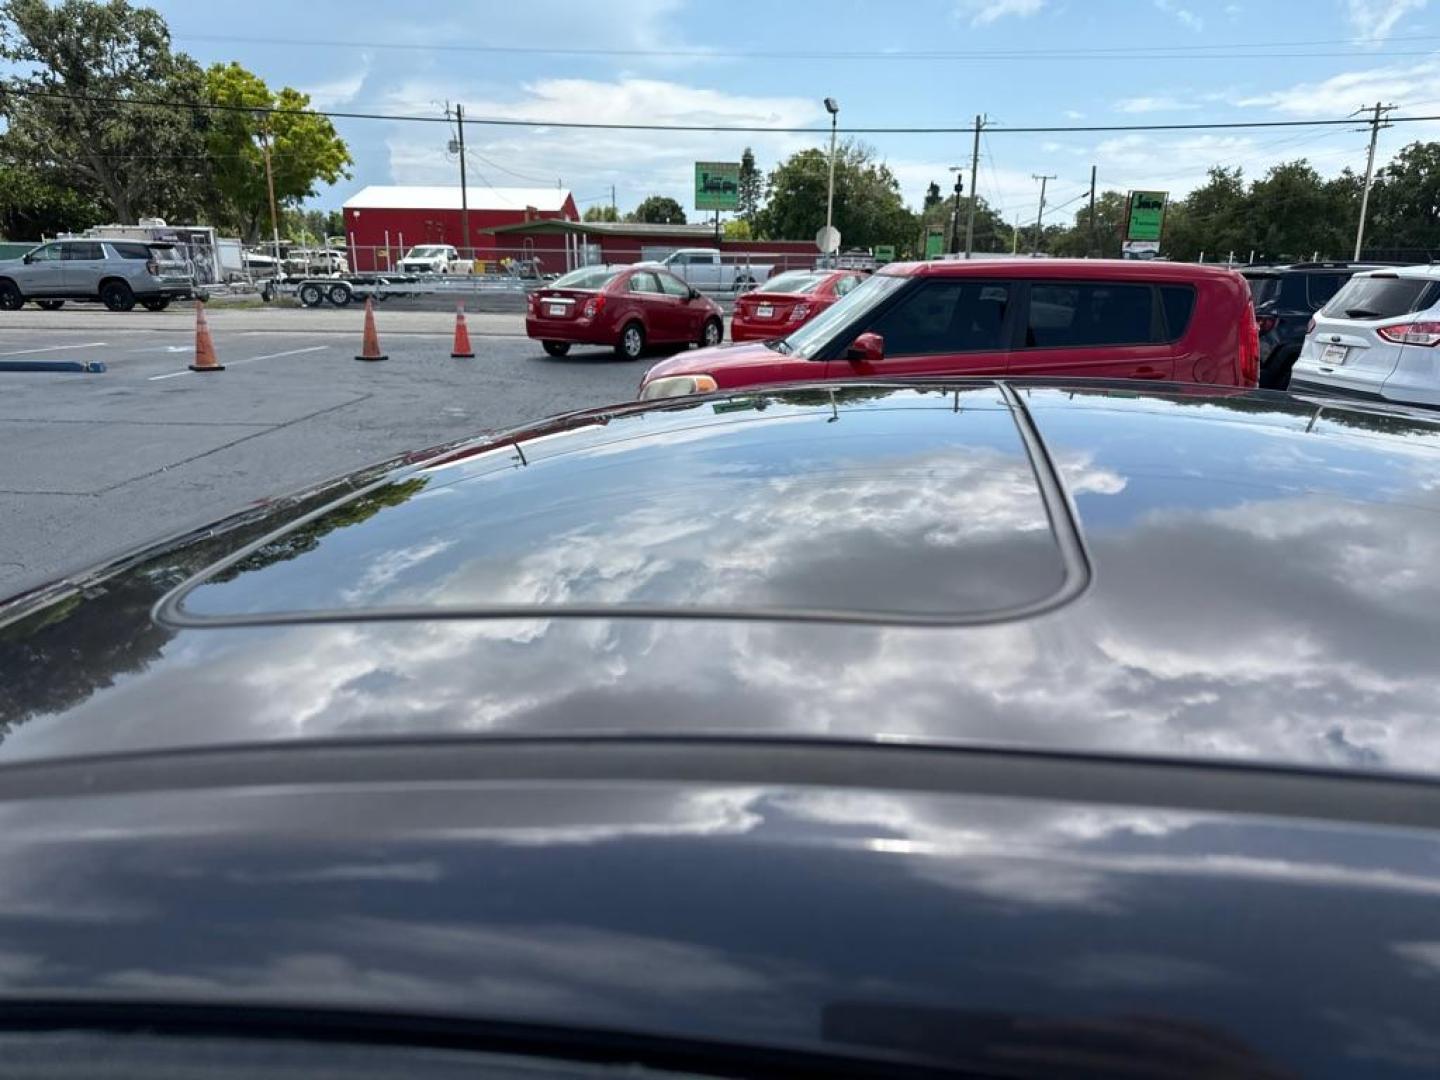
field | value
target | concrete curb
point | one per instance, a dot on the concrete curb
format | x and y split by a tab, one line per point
85	366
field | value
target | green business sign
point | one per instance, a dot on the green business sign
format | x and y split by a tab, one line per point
717	185
1147	215
934	244
884	253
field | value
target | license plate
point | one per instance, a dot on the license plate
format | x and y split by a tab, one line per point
764	311
1333	354
558	309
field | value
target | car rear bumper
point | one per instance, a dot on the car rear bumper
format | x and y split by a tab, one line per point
575	331
741	330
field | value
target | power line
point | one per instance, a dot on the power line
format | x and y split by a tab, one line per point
1246	50
205	106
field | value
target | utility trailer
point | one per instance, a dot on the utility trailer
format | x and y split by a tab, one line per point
338	290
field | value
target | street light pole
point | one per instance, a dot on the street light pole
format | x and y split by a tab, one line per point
833	108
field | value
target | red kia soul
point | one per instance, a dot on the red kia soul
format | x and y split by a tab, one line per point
1100	318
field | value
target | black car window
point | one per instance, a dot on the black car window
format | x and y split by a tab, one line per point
48	253
958	315
77	250
1179	303
131	250
673	286
644	282
1263	289
1321	287
1380	297
1086	315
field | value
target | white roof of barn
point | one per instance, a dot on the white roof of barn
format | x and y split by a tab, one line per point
447	197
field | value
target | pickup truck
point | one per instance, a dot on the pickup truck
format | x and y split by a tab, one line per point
434	259
702	268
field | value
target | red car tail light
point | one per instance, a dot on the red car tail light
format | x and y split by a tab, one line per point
594	306
799	312
1266	323
1415	333
1250	351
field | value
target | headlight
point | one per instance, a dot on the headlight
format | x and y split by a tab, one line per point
677	386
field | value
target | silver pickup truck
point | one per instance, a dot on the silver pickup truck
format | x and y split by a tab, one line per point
704	269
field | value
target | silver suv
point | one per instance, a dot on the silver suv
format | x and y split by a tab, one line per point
118	273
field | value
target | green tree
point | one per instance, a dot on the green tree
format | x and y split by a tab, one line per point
91	137
868	207
305	149
1213	218
752	189
1104	241
933	197
1291	215
311	227
658	210
600	213
32	206
737	229
1405	202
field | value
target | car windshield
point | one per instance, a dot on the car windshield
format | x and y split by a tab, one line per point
807	341
589	277
425	252
793	281
1367	298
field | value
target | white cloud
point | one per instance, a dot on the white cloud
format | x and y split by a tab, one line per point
1153	104
1372	20
336	92
638	162
1187	17
984	12
1074	114
1341	94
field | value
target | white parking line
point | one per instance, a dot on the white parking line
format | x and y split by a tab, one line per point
248	359
53	348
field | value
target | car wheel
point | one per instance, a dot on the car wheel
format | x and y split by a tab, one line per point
340	295
11	299
555	348
711	333
311	295
158	304
744	282
49	305
117	296
632	342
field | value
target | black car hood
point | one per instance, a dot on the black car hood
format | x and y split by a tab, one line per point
1261	588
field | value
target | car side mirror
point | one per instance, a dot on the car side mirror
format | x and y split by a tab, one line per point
868	347
29	259
694	295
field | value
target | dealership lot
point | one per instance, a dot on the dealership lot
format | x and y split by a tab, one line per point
92	464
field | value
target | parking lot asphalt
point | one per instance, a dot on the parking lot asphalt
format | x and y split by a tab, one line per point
93	464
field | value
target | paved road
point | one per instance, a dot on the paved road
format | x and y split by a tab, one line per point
93	464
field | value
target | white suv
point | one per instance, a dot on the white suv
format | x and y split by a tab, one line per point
1377	338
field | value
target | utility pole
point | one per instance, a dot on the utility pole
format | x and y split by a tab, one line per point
464	187
974	168
1094	247
959	171
614	213
1040	214
270	186
1379	110
833	108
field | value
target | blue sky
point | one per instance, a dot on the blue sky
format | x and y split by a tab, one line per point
682	61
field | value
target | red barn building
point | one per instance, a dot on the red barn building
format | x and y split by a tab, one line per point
383	222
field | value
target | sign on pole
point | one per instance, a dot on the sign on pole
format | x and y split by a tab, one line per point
884	253
1146	218
828	239
717	185
934	244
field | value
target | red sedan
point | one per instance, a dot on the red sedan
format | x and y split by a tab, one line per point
627	307
1097	318
788	300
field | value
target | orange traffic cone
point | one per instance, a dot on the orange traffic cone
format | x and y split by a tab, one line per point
370	348
204	347
462	349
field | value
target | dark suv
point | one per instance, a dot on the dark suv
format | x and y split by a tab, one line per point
1285	297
